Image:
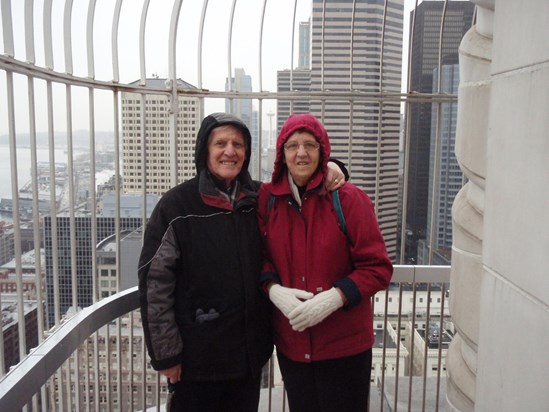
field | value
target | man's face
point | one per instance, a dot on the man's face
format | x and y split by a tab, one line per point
226	153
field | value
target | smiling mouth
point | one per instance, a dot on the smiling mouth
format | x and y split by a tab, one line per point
228	163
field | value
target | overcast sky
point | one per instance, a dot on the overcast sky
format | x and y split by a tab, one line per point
277	35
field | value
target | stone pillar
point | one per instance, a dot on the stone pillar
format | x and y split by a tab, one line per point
475	55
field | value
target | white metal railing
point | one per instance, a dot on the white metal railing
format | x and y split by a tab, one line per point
51	367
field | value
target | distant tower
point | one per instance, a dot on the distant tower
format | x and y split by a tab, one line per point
304	61
425	45
157	132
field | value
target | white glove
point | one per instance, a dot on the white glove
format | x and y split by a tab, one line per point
287	299
315	310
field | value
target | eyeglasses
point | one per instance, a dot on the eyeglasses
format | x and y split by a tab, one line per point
308	146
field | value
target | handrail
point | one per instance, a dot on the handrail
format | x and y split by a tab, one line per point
26	378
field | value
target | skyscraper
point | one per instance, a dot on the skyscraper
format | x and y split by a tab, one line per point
295	80
84	261
424	58
346	55
446	183
157	131
304	60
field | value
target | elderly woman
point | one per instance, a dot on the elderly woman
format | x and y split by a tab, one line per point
319	278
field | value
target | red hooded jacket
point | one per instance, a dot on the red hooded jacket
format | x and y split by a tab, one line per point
306	249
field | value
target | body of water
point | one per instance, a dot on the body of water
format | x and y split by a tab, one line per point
23	166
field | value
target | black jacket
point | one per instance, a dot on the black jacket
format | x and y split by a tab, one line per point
201	304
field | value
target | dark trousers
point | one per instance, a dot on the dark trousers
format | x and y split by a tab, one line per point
240	395
334	385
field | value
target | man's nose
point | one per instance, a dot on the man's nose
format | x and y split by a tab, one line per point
230	150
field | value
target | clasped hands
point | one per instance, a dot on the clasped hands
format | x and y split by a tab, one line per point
304	309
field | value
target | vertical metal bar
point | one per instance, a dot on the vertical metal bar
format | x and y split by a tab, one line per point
174	100
29	31
67	369
407	112
199	58
93	227
16	220
144	218
426	347
384	352
399	323
117	226
53	206
96	370
229	52
114	41
157	400
350	145
145	374
7	28
142	24
48	42
292	58
89	39
67	36
39	282
72	230
351	87
55	255
380	113
261	27
87	388
119	359
131	377
322	37
440	335
108	368
412	336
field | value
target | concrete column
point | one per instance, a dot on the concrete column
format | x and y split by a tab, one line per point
513	360
475	55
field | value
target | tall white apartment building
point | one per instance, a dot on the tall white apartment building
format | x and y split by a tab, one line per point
346	54
155	127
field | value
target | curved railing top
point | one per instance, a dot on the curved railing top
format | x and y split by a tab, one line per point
30	374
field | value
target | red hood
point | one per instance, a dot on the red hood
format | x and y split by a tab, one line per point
296	122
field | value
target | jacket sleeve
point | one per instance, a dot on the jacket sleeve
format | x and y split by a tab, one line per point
372	268
157	270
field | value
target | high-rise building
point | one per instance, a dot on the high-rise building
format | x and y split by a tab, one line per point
294	80
243	109
346	55
424	58
156	123
84	262
304	60
446	183
298	79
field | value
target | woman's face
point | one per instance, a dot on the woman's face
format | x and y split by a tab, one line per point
302	156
